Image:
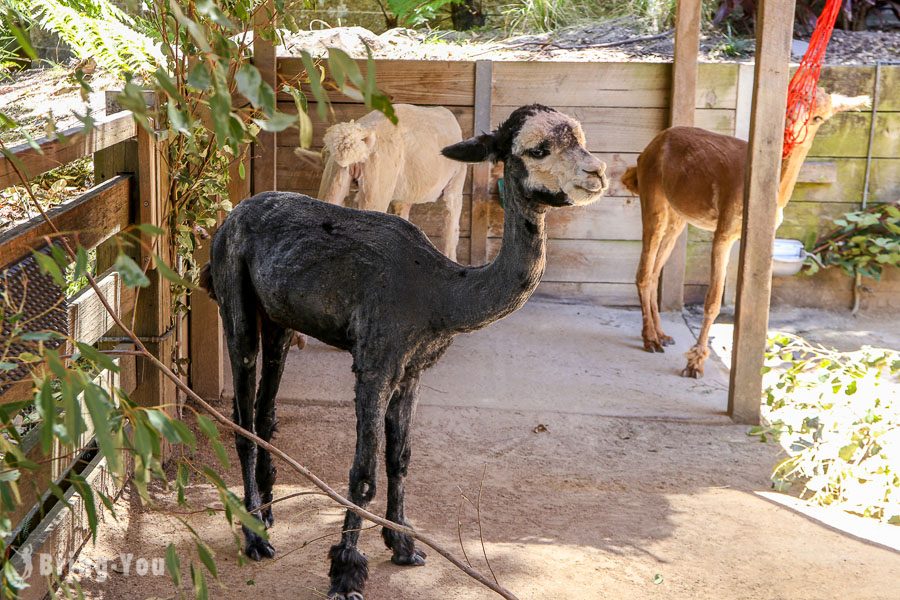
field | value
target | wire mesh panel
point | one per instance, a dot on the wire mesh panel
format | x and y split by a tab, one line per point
32	301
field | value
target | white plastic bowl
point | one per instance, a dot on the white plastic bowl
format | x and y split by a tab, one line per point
787	257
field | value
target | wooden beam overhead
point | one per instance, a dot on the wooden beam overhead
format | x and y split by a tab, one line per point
774	26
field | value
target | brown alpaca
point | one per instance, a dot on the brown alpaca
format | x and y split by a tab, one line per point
690	175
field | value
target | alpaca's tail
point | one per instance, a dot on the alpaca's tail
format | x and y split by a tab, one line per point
630	180
206	282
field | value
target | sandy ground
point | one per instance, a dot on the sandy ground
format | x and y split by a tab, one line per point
640	487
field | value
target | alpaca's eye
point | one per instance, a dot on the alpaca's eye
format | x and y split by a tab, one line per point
818	119
539	152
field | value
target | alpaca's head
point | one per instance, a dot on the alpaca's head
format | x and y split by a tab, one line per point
544	152
824	107
349	143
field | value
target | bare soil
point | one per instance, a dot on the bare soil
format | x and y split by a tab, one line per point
605	476
614	40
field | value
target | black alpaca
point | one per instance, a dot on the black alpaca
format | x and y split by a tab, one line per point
372	284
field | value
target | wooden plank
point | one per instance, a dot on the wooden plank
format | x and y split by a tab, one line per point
586	261
88	318
610	218
74	144
884	182
774	23
63	532
627	129
744	102
847	135
93	217
606	294
265	149
345	112
481	173
428	82
606	84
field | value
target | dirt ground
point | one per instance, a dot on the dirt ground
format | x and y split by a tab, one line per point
636	486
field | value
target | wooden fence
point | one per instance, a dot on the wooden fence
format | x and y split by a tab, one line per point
129	177
593	251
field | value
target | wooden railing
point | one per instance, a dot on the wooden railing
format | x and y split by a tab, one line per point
129	170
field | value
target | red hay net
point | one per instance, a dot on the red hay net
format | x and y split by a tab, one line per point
802	89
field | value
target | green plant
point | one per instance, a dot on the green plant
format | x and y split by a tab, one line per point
863	243
93	29
837	414
541	15
411	13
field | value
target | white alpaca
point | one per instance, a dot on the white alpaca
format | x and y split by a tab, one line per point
400	164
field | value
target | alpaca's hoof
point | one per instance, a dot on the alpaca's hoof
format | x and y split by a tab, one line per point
257	548
666	340
347	596
299	340
653	346
267	517
691	371
416	559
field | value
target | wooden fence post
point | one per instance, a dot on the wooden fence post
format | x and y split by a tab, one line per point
265	150
481	172
774	26
153	311
684	99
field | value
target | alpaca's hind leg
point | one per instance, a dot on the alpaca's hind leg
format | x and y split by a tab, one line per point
675	224
275	343
397	422
699	352
654	213
349	567
453	200
239	317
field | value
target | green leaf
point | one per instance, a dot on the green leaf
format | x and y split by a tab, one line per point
846	453
195	30
173	565
657	579
8	366
90	505
49	266
200	591
206	556
199	77
315	84
172	429
277	122
81	262
178	120
132	275
171	275
39	336
208	8
103	361
46	406
99	408
168	86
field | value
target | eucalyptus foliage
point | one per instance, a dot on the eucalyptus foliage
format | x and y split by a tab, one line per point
864	242
837	414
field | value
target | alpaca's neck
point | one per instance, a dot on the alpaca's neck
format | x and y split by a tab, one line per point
488	293
790	171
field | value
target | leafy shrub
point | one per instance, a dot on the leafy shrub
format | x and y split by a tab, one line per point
863	243
838	416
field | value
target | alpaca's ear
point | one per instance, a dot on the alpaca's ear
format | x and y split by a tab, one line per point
475	150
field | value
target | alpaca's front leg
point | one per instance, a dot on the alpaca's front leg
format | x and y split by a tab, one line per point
349	567
397	423
698	354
